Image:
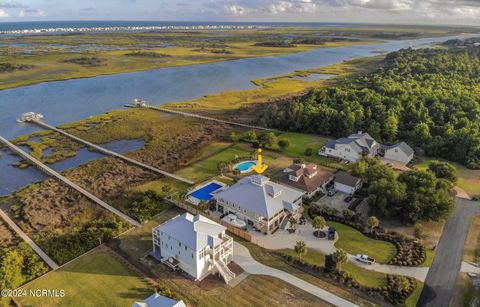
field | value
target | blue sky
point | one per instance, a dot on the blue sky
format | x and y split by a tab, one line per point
378	11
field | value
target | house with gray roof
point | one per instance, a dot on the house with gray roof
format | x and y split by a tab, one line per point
260	202
157	300
194	244
400	152
351	148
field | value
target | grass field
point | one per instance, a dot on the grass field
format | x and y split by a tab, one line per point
266	257
468	180
354	242
412	300
364	277
159	185
270	291
97	279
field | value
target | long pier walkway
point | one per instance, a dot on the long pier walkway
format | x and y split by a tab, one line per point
66	181
29	241
111	153
187	114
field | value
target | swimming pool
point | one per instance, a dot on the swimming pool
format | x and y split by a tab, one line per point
245	166
205	192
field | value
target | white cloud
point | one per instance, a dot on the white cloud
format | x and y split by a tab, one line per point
3	14
31	13
235	10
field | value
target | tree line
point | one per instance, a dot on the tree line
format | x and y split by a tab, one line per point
429	98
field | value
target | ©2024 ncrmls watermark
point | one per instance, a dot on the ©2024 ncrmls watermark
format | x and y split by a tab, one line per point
32	293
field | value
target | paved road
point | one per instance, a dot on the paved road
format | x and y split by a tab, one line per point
441	278
242	257
29	241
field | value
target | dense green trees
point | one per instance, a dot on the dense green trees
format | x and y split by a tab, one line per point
18	265
413	195
429	98
443	170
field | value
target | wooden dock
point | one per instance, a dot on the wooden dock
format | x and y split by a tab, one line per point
187	114
111	153
66	181
29	241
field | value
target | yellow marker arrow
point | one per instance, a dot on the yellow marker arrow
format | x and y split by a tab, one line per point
260	168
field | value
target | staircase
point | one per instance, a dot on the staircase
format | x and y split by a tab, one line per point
222	268
283	223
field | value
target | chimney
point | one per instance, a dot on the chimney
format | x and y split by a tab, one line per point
303	166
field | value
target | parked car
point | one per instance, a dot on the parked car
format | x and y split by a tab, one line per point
348	199
364	259
331	192
331	233
390	164
476	198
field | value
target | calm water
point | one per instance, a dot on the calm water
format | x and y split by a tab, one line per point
71	100
13	178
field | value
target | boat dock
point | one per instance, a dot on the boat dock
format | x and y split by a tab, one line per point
66	181
111	153
29	241
187	114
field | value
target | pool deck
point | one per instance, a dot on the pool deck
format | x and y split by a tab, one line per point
194	200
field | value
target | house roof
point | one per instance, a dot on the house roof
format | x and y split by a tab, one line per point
346	179
305	183
359	142
260	195
403	147
196	232
157	300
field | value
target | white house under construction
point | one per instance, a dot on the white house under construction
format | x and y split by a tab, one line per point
195	244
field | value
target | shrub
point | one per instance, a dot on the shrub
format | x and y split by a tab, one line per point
308	152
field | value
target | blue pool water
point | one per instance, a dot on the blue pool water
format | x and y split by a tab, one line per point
205	192
245	166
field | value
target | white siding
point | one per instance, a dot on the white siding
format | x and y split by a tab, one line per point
396	154
344	152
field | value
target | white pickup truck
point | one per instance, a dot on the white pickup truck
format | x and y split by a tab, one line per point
364	259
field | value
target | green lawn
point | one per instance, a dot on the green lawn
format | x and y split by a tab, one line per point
412	300
468	179
97	279
364	277
208	167
158	185
354	242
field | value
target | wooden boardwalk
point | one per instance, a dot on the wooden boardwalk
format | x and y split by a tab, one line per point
29	241
111	153
66	181
187	114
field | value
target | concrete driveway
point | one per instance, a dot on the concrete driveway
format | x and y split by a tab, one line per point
441	279
243	258
283	239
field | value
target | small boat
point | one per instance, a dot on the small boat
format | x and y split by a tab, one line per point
29	116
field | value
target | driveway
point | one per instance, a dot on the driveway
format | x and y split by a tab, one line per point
283	239
243	258
441	278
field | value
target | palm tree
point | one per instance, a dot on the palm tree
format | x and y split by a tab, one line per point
319	223
300	249
373	222
293	222
340	256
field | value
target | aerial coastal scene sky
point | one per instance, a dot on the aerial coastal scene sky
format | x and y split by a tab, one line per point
371	11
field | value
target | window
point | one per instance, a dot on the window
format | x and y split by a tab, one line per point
185	247
347	149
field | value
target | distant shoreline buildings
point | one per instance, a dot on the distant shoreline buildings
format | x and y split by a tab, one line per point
130	29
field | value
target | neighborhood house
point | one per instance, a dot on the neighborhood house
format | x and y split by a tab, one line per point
346	183
308	178
352	148
157	300
195	244
260	202
400	152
